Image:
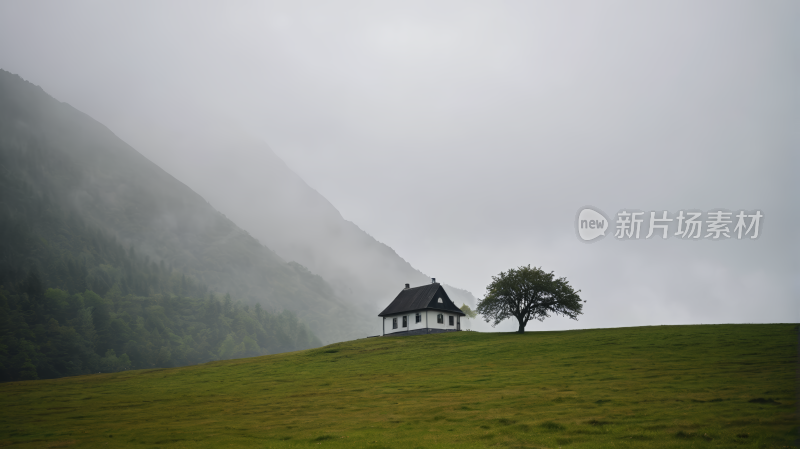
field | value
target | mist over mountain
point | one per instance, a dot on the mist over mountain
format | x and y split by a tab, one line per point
250	184
77	165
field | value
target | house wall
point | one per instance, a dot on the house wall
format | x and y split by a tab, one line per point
412	325
432	324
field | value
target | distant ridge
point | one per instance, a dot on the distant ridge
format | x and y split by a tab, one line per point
93	174
243	178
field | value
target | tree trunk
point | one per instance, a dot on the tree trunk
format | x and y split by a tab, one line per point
521	326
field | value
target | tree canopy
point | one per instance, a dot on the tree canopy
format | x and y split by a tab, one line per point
528	293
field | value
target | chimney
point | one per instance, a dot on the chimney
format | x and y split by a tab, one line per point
407	286
433	280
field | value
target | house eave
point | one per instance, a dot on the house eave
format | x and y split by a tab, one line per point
424	308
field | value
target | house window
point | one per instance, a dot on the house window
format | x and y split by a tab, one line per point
405	321
394	323
440	318
419	318
440	301
451	320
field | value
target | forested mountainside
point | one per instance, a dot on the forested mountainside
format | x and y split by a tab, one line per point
113	309
257	190
51	333
81	210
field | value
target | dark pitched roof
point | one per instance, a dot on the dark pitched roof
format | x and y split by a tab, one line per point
419	298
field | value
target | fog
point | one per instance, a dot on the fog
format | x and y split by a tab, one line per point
465	136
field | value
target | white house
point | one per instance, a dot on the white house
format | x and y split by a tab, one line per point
421	310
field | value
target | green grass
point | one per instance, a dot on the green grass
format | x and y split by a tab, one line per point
729	386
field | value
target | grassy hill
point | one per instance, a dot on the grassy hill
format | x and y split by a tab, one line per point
652	387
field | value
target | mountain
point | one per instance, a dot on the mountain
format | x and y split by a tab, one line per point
243	178
88	178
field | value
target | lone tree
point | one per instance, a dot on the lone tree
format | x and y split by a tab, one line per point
528	293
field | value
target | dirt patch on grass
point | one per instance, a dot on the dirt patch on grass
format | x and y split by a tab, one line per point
638	438
764	401
550	425
597	422
65	443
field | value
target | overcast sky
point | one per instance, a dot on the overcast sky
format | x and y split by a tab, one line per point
467	135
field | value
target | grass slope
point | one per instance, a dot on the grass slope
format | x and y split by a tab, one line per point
652	387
